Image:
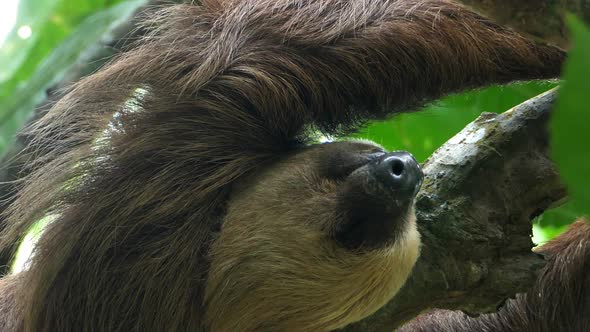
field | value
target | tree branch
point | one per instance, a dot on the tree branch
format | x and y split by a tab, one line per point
481	190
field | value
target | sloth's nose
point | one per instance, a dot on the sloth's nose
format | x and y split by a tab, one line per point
401	172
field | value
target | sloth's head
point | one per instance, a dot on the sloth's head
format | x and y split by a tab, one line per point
317	240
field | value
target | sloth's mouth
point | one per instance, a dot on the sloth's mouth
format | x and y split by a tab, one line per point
377	199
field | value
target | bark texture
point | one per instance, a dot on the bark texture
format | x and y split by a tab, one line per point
481	190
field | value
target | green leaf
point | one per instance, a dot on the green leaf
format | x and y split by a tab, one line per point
423	132
570	123
61	34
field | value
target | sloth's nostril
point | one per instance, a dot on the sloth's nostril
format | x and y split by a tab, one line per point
397	167
399	171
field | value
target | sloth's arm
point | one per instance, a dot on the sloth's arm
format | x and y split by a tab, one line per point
255	73
215	89
558	301
334	62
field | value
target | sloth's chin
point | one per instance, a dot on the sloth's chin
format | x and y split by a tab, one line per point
377	200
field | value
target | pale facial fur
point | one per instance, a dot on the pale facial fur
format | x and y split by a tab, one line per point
274	266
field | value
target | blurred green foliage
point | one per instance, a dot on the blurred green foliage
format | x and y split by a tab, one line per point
423	132
570	124
63	30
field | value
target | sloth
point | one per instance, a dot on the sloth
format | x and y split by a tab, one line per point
186	193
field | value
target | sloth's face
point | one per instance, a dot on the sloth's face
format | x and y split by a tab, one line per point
313	242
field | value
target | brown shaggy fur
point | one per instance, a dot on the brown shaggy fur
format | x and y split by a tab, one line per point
140	163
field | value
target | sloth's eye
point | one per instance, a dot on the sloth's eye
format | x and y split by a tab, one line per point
340	164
